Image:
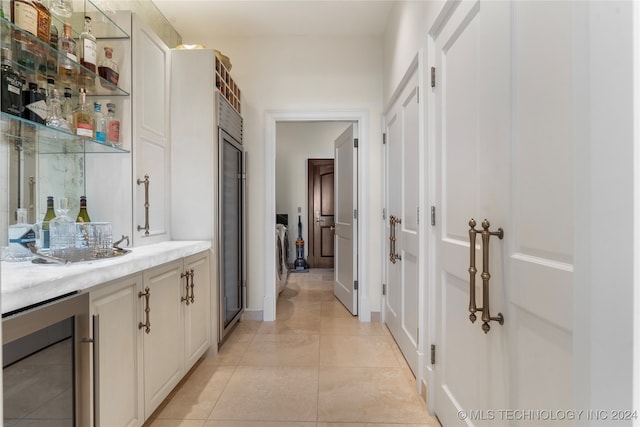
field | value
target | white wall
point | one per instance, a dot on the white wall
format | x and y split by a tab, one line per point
405	34
295	143
301	74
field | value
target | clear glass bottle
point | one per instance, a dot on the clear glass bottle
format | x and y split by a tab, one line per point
88	50
11	85
24	14
49	215
62	231
101	123
83	214
52	56
67	106
108	69
67	47
63	8
83	120
21	235
113	126
55	118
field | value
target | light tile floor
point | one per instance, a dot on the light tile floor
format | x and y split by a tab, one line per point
315	366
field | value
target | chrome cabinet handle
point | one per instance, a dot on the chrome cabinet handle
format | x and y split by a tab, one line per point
192	274
146	182
486	275
147	324
188	275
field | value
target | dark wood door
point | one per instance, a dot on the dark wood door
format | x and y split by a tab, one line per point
321	215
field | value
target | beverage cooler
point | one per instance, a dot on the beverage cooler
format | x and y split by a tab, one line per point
208	174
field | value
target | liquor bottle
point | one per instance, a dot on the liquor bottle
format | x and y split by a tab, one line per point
44	21
11	85
48	216
67	106
83	215
101	123
88	50
108	69
55	119
35	107
67	46
24	14
20	235
52	56
113	126
83	120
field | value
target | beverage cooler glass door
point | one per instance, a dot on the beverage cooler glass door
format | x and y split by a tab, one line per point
231	211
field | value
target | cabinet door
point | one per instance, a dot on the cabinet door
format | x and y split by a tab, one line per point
151	134
163	344
197	315
118	353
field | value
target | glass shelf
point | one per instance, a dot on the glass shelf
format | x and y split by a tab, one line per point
46	140
92	82
103	23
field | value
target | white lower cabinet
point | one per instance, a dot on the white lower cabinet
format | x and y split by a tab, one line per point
146	337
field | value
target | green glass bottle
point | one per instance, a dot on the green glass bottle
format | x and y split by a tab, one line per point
48	216
83	215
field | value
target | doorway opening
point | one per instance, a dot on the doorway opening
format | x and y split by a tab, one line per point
277	188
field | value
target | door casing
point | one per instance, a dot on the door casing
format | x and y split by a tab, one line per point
361	117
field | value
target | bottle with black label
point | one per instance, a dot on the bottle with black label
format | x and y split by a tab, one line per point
35	106
83	215
11	85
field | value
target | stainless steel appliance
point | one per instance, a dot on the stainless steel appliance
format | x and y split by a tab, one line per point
231	211
46	363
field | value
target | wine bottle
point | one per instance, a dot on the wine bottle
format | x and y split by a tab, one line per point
48	216
83	215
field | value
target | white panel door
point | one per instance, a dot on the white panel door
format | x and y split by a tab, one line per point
503	153
151	135
346	238
402	255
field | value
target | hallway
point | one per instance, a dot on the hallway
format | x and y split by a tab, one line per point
315	366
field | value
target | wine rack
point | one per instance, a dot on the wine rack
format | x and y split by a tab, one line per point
227	86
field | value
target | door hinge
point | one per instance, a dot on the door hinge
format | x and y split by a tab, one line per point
384	138
433	354
355	285
384	289
384	214
433	215
355	214
355	142
433	76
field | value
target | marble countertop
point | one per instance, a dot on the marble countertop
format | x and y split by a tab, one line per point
25	283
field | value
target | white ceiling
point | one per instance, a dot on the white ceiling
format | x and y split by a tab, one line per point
198	20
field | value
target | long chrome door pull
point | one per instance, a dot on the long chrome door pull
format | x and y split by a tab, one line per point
472	271
393	256
486	276
193	297
146	182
